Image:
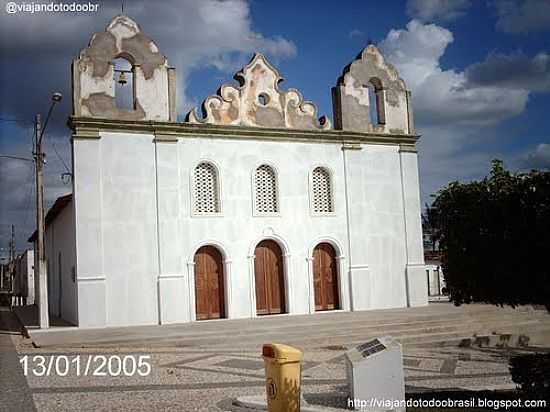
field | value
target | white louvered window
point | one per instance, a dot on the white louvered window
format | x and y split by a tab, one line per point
322	191
206	189
265	184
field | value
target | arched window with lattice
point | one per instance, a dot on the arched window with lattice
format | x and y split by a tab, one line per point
265	190
322	199
206	189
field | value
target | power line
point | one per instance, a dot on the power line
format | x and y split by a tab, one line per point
60	158
15	158
3	119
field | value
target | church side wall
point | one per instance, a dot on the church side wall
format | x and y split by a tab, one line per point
60	261
377	234
417	291
129	227
115	188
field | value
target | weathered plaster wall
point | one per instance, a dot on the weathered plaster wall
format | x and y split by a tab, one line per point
94	82
351	103
258	101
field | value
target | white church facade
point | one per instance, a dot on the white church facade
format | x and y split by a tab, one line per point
254	208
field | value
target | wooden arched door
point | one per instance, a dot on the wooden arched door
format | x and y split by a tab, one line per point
325	277
209	284
270	278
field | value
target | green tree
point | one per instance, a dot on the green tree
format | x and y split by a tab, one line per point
494	236
429	225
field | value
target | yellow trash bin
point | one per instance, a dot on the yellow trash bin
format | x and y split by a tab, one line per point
282	377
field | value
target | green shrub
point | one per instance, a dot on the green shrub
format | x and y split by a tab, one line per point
532	374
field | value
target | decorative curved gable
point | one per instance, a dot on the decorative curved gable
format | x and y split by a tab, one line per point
259	102
93	75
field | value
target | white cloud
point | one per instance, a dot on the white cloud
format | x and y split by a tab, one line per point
192	34
441	96
516	71
447	153
523	16
434	10
538	158
452	115
355	33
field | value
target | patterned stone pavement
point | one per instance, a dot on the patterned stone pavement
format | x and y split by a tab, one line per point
202	377
206	380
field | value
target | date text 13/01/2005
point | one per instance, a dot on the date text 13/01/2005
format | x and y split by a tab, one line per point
90	365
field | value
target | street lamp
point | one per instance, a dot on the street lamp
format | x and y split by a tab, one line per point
41	274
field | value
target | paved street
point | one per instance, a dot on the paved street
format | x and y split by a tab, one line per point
15	394
206	365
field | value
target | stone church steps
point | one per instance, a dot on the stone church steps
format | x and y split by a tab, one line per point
326	321
416	331
406	336
353	329
453	335
434	324
351	325
340	329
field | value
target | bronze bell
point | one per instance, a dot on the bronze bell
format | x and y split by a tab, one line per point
122	78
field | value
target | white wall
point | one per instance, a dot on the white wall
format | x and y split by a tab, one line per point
376	227
26	274
238	231
436	280
60	261
136	235
417	290
129	229
23	282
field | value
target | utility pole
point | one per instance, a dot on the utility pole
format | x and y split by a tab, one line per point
11	267
12	244
40	259
43	316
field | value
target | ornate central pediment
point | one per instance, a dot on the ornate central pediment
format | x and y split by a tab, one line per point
259	102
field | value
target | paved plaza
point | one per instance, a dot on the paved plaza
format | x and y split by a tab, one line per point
206	366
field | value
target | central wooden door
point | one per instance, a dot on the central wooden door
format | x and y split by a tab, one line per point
269	275
325	278
209	284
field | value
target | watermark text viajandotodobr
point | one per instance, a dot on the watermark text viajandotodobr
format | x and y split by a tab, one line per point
50	7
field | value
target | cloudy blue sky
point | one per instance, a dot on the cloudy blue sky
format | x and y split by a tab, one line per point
479	72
